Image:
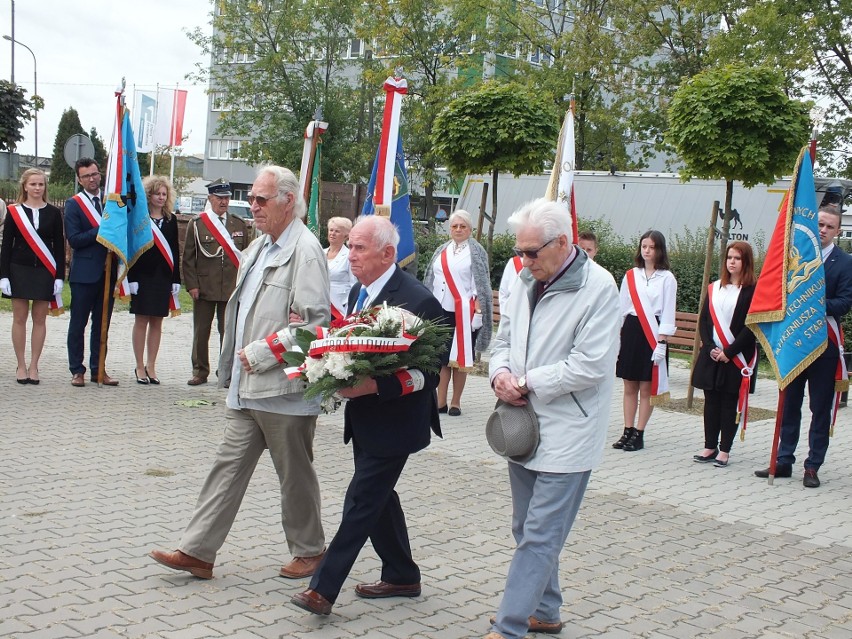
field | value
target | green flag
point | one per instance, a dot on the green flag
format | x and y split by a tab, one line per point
313	205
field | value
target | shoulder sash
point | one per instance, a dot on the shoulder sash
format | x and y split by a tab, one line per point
651	330
33	239
214	225
88	209
461	352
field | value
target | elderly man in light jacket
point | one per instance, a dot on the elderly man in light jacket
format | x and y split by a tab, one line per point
556	349
282	285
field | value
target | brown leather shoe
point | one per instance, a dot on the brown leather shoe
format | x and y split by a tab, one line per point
78	380
301	567
539	626
382	589
108	381
195	380
312	601
178	560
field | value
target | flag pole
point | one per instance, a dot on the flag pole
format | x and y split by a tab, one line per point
154	144
776	437
108	284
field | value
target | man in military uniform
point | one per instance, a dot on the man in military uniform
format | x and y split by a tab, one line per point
211	253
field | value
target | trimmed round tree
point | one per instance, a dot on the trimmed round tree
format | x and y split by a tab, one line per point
734	122
497	127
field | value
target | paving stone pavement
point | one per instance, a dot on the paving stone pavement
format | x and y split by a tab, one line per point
91	479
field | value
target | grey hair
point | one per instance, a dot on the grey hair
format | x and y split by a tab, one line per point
381	229
286	182
551	218
344	223
463	215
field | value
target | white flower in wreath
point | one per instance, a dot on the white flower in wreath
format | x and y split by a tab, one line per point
314	368
336	364
396	315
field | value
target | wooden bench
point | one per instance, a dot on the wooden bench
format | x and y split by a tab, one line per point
684	337
495	306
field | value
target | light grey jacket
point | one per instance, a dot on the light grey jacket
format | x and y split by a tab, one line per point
482	281
567	347
295	279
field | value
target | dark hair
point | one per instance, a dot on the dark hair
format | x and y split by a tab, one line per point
747	277
662	260
588	235
84	163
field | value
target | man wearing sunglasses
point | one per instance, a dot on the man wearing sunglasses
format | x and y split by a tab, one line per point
555	349
282	285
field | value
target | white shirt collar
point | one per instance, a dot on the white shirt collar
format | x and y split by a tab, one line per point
376	287
826	252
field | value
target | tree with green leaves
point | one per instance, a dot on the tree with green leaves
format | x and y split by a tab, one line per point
69	124
100	149
274	64
498	127
809	41
14	113
735	122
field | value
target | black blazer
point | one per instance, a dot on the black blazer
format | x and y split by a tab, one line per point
89	258
719	376
151	267
838	290
390	424
15	248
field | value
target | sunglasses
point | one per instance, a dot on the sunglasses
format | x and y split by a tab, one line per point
533	255
261	201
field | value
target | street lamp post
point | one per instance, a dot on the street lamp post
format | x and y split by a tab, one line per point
35	90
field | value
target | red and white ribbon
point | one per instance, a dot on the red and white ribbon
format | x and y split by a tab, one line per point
214	225
723	333
395	88
461	352
320	347
518	265
841	375
166	251
88	209
659	372
38	247
314	129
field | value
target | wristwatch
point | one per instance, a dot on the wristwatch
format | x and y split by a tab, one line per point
522	384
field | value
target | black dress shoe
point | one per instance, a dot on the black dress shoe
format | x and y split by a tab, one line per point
151	380
625	437
140	380
454	411
811	479
780	471
442	409
701	459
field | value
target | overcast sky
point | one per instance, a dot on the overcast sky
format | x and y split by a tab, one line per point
84	49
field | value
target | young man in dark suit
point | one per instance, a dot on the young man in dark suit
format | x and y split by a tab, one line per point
387	421
86	277
820	375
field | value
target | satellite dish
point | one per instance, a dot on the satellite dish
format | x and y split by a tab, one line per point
76	147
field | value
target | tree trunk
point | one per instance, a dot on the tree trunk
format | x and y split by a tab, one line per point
726	223
493	214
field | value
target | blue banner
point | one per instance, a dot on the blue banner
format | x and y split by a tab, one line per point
400	206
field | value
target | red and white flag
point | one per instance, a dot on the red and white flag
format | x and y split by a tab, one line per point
560	188
158	118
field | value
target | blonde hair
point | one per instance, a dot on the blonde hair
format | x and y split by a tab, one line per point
343	223
152	184
25	177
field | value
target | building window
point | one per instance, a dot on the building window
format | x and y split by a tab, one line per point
224	149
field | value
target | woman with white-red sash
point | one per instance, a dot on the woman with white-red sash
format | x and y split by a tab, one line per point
459	277
32	268
648	297
728	357
154	279
340	276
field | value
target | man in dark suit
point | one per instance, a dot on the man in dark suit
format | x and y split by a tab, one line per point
387	421
86	277
820	375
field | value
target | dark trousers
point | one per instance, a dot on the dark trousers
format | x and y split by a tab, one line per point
87	301
820	379
371	510
720	419
203	312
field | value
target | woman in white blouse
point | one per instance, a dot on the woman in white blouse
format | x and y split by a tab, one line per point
339	274
648	300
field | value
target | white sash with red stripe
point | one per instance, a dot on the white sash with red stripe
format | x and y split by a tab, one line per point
166	251
461	352
88	209
650	327
722	331
217	230
38	247
841	375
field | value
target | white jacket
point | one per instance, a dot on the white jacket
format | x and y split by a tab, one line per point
567	348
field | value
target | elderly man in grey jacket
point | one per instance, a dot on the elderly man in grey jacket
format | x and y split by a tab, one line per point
556	349
282	285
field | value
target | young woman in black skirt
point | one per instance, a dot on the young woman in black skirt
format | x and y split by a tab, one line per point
24	275
153	281
636	358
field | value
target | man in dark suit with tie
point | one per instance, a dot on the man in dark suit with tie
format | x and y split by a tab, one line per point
820	375
86	277
386	421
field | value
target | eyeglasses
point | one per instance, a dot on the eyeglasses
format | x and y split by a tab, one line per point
89	176
261	201
533	255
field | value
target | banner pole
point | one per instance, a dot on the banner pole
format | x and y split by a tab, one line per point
776	437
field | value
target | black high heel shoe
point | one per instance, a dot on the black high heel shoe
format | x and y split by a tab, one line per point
141	380
151	380
26	380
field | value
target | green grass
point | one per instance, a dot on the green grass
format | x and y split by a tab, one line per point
185	302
